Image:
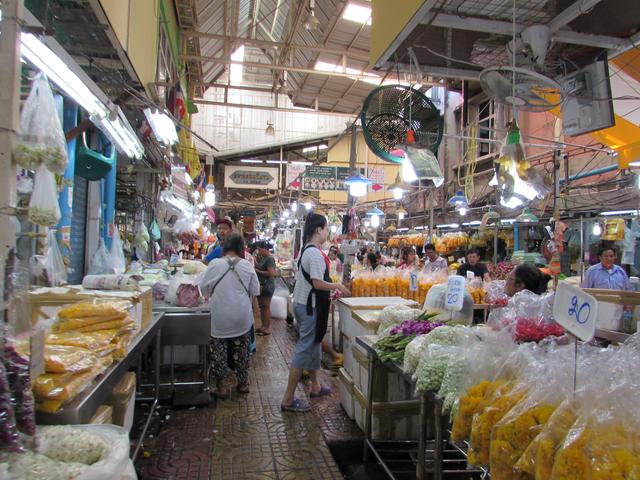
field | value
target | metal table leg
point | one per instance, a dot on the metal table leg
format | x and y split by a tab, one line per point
369	409
205	368
422	442
156	395
439	439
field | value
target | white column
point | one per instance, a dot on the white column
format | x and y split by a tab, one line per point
9	104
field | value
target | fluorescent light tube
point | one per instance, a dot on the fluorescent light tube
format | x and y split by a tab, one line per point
250	161
620	212
448	225
59	73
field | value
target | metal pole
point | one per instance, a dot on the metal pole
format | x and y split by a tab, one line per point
346	276
581	260
9	112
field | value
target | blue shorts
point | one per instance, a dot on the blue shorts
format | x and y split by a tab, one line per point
308	352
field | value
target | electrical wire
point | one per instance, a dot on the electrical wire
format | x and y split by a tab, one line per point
446	57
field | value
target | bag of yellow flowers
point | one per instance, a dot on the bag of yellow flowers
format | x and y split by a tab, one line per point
520	426
521	370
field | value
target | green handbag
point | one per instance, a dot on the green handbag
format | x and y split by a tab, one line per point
91	164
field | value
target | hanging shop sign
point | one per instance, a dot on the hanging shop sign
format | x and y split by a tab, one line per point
264	178
575	310
319	177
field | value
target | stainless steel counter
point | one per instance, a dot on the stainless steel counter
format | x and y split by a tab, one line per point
84	406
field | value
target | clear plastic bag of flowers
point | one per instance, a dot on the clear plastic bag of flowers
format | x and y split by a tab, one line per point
603	441
436	300
40	138
413	352
433	365
495	293
55	269
513	433
481	379
481	349
43	205
519	373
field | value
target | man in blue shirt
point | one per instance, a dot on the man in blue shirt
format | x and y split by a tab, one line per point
225	228
607	274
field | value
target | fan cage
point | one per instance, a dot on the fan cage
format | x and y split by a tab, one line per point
385	120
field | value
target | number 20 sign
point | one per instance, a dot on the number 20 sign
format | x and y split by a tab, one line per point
575	310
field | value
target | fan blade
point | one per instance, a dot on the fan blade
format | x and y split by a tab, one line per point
496	85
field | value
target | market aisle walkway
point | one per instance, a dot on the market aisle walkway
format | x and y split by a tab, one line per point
247	436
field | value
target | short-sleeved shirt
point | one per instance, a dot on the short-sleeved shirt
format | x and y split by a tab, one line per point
213	254
437	265
479	269
599	277
264	264
314	262
231	307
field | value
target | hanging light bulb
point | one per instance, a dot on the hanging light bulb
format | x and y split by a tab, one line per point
270	130
398	188
273	224
462	211
357	185
308	206
526	216
289	222
334	228
367	223
209	198
294	206
311	23
375	221
402	213
597	229
286	214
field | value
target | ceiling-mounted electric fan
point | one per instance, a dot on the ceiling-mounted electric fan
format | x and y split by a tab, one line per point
390	112
524	85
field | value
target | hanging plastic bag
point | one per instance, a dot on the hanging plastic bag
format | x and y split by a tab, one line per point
100	261
40	135
55	269
155	231
117	263
141	240
43	206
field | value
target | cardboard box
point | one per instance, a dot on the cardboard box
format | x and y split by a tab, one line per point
103	416
122	400
45	302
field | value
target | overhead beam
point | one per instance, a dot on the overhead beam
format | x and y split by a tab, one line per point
499	27
363	56
570	13
270	90
436	71
271	109
269	66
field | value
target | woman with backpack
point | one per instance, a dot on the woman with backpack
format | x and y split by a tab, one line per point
231	284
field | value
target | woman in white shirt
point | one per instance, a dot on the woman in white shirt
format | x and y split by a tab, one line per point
311	307
231	284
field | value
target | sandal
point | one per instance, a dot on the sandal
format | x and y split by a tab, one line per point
321	393
297	406
243	388
262	333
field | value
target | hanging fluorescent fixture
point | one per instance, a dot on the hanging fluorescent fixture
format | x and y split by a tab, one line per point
474	223
117	130
398	188
357	185
620	212
448	225
121	135
163	127
59	73
526	216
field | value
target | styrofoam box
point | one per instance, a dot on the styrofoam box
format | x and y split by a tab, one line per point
350	364
344	313
128	416
609	316
345	390
279	307
366	323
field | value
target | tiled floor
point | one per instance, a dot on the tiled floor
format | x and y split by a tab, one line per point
247	436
